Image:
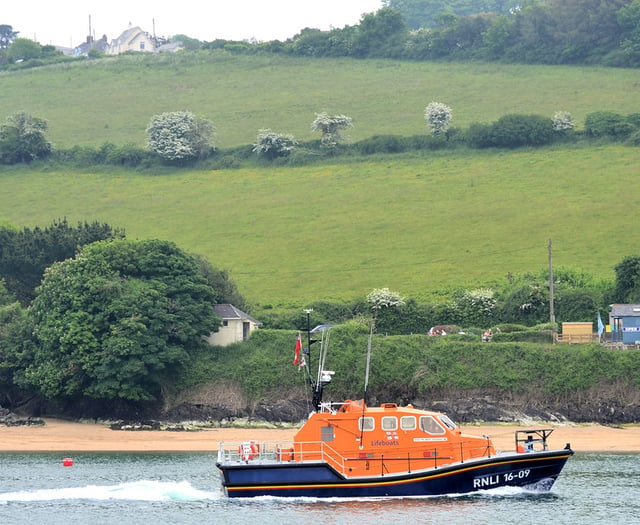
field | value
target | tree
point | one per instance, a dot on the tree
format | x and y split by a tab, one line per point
23	49
331	128
119	321
7	36
225	289
584	27
272	145
427	13
438	116
629	20
383	300
474	308
526	303
607	124
380	298
380	34
187	42
12	340
627	289
562	121
512	131
25	254
180	136
22	139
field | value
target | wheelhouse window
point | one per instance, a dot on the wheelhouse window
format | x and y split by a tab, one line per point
448	423
408	423
366	424
429	425
389	423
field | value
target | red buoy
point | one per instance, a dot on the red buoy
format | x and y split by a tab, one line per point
67	462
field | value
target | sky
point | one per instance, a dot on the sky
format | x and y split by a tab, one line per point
66	22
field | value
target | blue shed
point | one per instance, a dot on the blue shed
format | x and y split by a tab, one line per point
624	320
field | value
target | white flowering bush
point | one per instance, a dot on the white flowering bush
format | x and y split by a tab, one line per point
271	145
380	298
474	307
438	117
331	129
562	121
180	136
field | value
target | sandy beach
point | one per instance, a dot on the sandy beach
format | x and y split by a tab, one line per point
67	437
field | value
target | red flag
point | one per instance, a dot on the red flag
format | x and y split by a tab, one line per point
297	350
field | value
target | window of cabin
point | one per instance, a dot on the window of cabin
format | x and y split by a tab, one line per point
408	423
141	46
429	425
389	423
326	434
366	424
225	323
448	423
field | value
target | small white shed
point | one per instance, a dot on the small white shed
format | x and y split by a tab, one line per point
236	325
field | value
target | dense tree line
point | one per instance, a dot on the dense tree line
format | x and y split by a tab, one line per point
551	32
26	253
101	317
419	14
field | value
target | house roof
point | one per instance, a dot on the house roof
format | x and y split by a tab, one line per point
127	35
170	47
625	310
84	48
228	312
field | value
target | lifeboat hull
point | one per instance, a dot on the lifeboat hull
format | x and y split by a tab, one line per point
537	471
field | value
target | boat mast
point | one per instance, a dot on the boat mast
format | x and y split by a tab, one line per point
366	374
324	376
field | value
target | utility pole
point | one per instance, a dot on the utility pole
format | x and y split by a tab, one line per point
552	315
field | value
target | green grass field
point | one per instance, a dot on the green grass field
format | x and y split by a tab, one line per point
419	224
335	231
112	100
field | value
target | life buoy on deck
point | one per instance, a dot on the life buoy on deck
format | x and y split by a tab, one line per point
249	450
284	454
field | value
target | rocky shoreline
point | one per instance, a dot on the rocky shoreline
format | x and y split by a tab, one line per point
9	419
604	407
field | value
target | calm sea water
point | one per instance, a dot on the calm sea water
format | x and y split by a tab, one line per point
184	488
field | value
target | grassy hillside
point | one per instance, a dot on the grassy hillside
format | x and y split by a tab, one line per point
415	223
112	100
335	231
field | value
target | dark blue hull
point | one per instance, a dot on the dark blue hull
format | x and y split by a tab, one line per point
537	470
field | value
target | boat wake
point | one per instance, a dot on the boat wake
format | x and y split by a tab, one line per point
143	490
498	492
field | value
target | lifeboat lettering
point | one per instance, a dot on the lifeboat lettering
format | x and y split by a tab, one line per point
486	481
381	443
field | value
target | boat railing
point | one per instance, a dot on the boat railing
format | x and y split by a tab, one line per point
355	462
532	440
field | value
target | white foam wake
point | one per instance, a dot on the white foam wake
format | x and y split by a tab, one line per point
136	491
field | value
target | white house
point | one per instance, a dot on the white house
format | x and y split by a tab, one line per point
236	325
133	39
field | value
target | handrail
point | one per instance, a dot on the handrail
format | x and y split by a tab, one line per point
354	463
297	452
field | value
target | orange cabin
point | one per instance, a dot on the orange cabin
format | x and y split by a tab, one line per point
358	440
